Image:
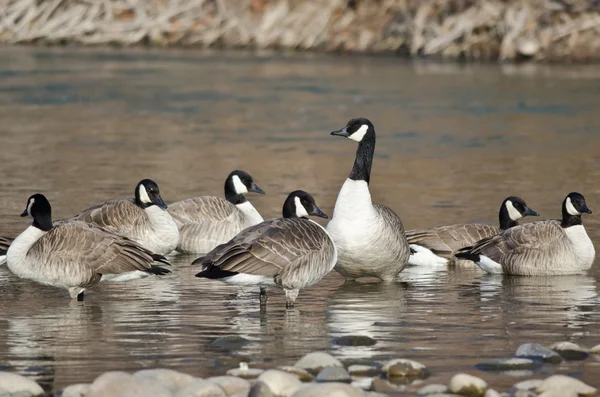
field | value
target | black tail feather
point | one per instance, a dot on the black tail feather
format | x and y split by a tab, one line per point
214	273
466	254
157	270
200	261
161	259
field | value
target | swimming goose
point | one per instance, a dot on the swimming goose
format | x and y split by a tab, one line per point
543	248
437	246
292	252
370	238
4	244
144	219
207	221
73	254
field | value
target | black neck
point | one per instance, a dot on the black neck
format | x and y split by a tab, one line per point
361	171
142	205
289	208
43	221
231	195
505	220
570	220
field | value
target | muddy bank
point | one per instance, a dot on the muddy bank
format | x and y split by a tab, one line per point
550	30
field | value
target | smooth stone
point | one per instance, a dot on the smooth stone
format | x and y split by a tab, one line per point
14	383
245	373
230	342
302	374
110	384
506	364
362	370
385	386
316	361
201	388
566	384
145	387
524	393
531	384
170	379
354	340
491	393
403	367
259	389
364	383
595	349
431	389
77	390
467	385
333	374
281	383
331	389
231	384
535	351
570	351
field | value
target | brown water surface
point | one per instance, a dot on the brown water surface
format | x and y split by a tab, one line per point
84	126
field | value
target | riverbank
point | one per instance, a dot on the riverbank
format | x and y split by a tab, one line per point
543	31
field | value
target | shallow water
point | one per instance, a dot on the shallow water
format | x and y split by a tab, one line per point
83	126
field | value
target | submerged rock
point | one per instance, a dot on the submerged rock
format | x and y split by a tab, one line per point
281	383
531	384
170	379
507	364
329	390
14	383
302	374
570	351
354	340
535	351
230	342
231	385
316	361
405	368
201	388
467	385
557	384
333	374
432	389
362	370
77	390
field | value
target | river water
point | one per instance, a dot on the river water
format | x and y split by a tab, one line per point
83	126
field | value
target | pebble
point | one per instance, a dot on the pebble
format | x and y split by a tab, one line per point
432	389
403	367
535	351
231	385
362	370
557	384
77	390
329	390
201	388
467	385
506	364
14	383
354	340
170	379
570	351
333	374
302	374
316	361
230	342
259	389
281	383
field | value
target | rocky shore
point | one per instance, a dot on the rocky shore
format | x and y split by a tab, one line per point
553	30
319	374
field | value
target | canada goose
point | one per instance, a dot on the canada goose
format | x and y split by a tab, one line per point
207	221
543	248
292	252
73	254
4	244
370	238
144	219
437	246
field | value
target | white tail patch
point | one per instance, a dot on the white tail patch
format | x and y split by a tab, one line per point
425	257
239	187
513	213
359	134
488	265
571	208
144	198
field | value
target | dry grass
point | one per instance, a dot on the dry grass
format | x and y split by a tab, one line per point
470	29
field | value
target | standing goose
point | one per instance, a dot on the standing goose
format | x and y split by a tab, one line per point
4	244
73	254
144	219
370	238
543	248
437	246
292	252
207	221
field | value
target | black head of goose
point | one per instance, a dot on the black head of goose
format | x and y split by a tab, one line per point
144	219
207	221
543	248
72	254
291	253
437	246
370	238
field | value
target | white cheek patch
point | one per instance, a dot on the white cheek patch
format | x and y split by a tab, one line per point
300	210
239	187
570	208
512	211
31	202
360	133
144	198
